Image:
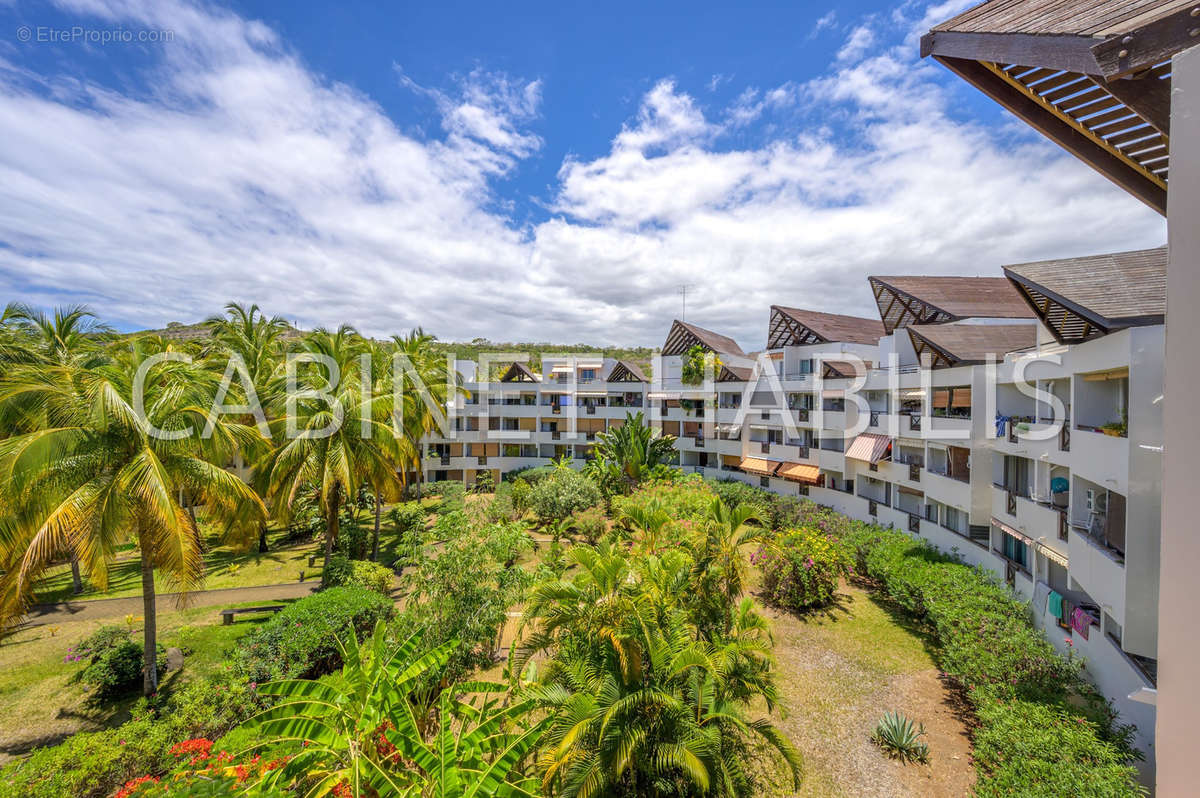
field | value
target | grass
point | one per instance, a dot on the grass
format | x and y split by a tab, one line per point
224	567
841	669
40	703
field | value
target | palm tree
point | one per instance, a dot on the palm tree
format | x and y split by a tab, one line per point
360	732
639	703
328	448
435	377
99	473
720	561
256	339
635	448
650	519
72	336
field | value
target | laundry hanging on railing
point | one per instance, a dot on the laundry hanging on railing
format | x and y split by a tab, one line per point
1002	423
1080	621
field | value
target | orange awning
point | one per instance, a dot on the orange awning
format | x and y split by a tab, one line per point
800	472
755	465
869	447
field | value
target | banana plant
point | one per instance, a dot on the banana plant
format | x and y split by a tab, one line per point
359	734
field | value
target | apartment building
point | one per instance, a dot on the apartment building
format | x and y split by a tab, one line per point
1014	421
517	418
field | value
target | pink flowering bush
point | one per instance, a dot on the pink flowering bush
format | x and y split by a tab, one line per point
801	568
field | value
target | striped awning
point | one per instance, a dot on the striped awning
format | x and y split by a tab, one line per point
1052	555
869	447
1016	533
800	472
663	395
756	465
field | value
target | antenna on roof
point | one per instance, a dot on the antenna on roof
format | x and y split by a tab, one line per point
683	292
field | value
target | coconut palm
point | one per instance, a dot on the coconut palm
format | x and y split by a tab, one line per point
328	447
257	340
102	471
437	385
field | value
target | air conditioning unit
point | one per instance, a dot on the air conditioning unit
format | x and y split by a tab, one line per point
1097	501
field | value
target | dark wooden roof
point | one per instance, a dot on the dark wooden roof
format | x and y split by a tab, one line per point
1092	75
930	300
733	373
1083	298
1075	17
968	344
625	371
843	368
795	327
519	372
684	336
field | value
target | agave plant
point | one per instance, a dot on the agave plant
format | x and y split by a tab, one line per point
361	735
900	738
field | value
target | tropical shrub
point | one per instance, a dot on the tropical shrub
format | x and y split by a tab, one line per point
590	524
801	569
520	494
114	662
633	451
301	640
900	738
353	540
485	482
367	739
95	764
444	606
1043	729
451	526
563	493
686	500
359	573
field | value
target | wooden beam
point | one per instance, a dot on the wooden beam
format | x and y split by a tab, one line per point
1070	138
1149	96
1063	51
1148	45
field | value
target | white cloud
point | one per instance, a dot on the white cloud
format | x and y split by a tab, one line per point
242	175
827	20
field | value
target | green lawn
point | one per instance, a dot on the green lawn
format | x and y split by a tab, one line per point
40	703
224	567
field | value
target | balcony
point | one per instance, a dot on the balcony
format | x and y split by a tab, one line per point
1103	459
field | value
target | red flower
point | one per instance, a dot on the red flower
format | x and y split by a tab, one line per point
132	785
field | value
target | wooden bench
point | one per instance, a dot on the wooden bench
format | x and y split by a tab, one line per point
227	615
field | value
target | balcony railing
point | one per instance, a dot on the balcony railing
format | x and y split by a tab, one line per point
1064	438
914	472
445	459
914	423
874	418
914	522
766	447
802	414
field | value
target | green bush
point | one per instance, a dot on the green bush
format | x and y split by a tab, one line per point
451	526
114	662
95	764
353	539
590	524
301	640
359	573
565	492
1043	730
686	500
408	517
485	482
520	494
801	569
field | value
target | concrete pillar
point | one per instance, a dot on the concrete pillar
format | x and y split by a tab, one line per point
1178	699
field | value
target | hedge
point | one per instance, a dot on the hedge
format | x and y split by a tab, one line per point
300	642
1043	729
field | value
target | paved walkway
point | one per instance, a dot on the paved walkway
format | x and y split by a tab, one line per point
96	609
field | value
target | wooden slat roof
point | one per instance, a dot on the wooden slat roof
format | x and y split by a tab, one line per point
966	344
929	300
684	336
844	368
1073	17
796	327
1086	297
734	373
625	371
1092	75
519	372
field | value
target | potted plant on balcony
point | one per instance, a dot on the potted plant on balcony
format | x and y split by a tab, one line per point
1117	429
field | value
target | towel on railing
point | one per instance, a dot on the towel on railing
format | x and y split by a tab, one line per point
1080	621
1040	592
1001	424
1054	603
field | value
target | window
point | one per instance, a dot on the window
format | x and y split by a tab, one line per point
587	375
1016	551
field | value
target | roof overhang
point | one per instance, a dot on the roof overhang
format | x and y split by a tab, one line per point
1069	322
1105	99
785	330
899	308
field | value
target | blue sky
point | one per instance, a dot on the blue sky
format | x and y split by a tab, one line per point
548	172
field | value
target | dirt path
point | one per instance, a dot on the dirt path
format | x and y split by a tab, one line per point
839	672
95	609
